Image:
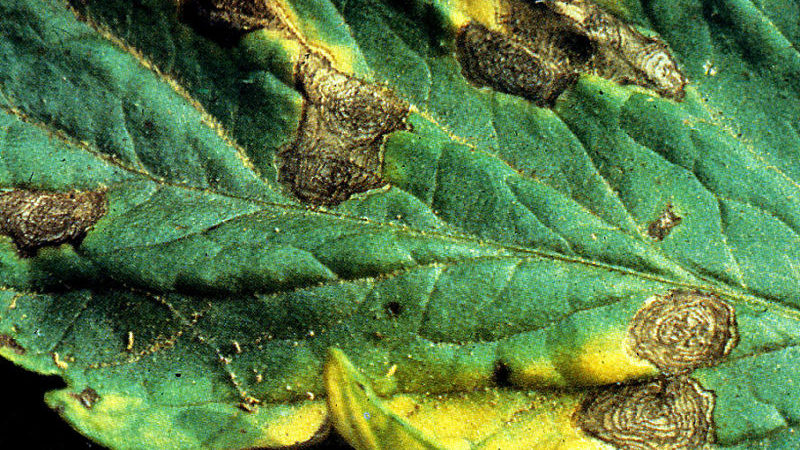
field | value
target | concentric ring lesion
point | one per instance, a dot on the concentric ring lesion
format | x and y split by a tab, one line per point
677	332
673	412
537	49
339	148
684	330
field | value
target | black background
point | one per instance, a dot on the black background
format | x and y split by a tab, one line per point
27	422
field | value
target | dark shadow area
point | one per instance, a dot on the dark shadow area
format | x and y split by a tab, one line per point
31	422
27	418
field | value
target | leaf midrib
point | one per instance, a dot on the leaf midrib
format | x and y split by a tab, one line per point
517	251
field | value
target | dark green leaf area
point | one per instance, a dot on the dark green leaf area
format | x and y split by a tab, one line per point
703	182
31	157
751	197
256	108
483	195
409	321
757	401
743	58
168	238
125	112
266	343
745	410
143	360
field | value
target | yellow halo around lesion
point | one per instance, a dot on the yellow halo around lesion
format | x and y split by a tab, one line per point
482	11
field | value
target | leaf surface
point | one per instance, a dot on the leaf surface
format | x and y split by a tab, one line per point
503	264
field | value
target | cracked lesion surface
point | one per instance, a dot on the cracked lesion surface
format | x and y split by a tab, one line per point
684	330
542	46
490	58
624	54
674	413
339	146
36	219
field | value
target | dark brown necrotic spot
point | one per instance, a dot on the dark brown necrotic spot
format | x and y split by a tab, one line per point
490	58
339	147
673	413
579	36
88	397
35	219
394	309
684	330
549	34
225	21
10	343
663	225
501	376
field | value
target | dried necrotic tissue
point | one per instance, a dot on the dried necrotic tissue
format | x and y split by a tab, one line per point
674	413
36	219
540	47
537	51
338	149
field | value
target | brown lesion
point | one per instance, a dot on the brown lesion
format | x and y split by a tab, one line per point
87	397
684	330
674	413
339	147
540	47
338	150
227	20
35	219
490	58
663	225
676	332
12	344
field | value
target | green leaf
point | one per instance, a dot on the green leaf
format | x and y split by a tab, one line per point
514	262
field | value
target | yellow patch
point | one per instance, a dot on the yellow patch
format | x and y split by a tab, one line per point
346	406
113	403
538	373
546	425
341	57
488	419
607	359
11	355
461	12
451	419
483	11
458	18
298	426
108	417
362	418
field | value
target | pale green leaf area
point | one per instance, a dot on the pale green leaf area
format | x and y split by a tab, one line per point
203	306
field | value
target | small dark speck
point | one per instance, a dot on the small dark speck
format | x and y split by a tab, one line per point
394	309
